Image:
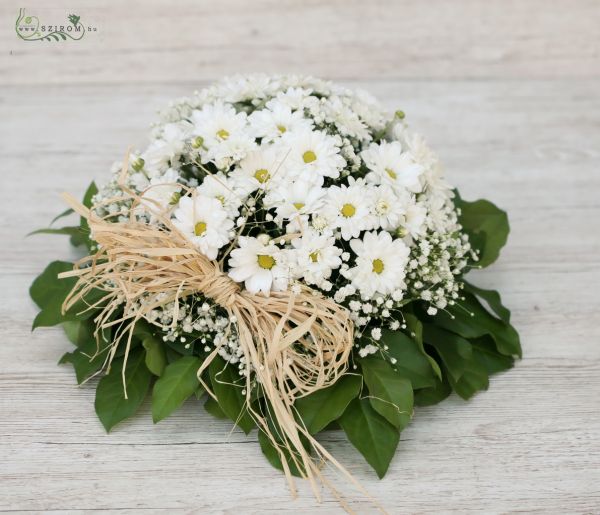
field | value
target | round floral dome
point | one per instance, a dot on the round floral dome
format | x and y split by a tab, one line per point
289	181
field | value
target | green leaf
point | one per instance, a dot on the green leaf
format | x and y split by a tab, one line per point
83	237
484	217
70	231
66	212
484	351
172	355
454	350
273	456
178	382
200	392
493	300
415	327
324	406
48	318
49	293
91	190
389	394
473	379
79	233
227	386
156	358
47	286
79	332
470	319
467	366
111	405
87	359
434	394
142	329
212	407
374	437
90	355
412	362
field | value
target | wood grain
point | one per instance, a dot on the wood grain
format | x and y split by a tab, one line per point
153	41
532	145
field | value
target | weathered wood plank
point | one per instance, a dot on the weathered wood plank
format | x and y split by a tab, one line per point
153	41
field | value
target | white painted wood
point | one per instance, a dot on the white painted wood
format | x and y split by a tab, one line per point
531	443
156	41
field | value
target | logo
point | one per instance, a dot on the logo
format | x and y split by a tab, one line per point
29	28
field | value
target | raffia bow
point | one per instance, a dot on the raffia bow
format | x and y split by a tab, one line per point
295	343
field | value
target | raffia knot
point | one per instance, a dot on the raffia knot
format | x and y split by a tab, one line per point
219	287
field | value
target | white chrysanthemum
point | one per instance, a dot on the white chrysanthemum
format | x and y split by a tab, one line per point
204	222
293	97
390	165
345	119
162	193
387	208
368	108
137	177
441	216
432	174
261	266
294	202
276	120
222	188
316	256
165	151
238	88
313	155
225	135
380	263
415	144
260	169
216	123
347	208
321	223
415	217
138	180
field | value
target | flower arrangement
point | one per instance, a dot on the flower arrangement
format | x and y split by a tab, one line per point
287	250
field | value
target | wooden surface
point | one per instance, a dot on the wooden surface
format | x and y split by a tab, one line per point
507	92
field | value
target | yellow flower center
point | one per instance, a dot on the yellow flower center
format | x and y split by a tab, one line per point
348	210
265	261
309	156
262	175
222	133
378	266
298	205
281	129
200	228
314	256
391	173
221	199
